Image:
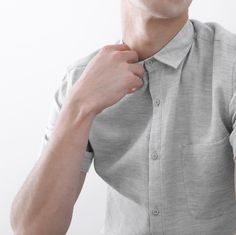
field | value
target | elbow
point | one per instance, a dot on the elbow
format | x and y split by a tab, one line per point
28	221
21	228
35	224
17	221
15	226
13	219
14	222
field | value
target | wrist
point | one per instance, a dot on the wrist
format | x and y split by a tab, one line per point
71	126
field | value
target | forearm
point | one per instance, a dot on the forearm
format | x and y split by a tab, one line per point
44	205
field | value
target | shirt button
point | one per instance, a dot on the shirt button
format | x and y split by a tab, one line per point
157	102
150	62
155	211
154	155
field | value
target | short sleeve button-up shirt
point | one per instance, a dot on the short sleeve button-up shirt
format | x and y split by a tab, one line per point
167	150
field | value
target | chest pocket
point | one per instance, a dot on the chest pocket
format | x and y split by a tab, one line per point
209	178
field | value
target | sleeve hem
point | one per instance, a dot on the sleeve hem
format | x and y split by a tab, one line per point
86	161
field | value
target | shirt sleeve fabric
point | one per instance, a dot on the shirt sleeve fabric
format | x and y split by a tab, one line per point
232	111
55	107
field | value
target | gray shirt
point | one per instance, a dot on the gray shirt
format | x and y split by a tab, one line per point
167	150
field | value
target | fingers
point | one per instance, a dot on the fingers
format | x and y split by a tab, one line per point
137	69
122	52
139	81
119	47
135	83
129	56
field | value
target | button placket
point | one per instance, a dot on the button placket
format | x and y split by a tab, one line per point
155	174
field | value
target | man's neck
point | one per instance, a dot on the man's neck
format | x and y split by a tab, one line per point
146	34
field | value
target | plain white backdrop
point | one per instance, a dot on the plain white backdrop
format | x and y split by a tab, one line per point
39	39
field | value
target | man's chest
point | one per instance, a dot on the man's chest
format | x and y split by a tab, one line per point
188	105
172	133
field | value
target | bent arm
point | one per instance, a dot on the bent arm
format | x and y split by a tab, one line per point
44	204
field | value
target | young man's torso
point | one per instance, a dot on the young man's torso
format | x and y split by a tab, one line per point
166	151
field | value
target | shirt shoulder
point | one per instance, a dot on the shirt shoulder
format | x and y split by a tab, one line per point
81	62
214	32
72	73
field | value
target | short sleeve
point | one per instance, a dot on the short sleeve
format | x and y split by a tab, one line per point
232	112
55	107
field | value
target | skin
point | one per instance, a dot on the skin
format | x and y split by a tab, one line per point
44	204
148	25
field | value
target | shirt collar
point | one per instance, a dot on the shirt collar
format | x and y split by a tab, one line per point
176	49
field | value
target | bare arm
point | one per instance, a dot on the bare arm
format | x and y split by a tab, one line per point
44	205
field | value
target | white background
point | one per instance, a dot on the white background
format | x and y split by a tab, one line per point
39	39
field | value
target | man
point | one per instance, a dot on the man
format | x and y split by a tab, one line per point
157	113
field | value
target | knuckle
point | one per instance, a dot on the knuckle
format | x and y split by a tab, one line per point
130	78
125	66
105	48
139	70
116	55
138	82
142	71
141	82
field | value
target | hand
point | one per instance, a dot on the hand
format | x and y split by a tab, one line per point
110	75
